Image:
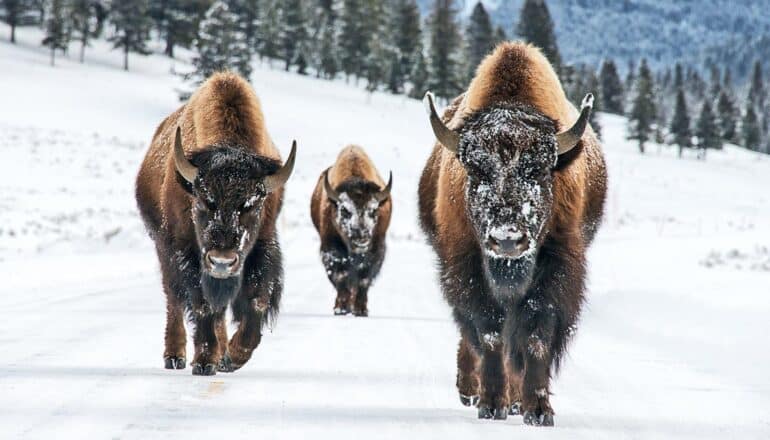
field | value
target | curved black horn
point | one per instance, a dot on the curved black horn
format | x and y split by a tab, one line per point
330	192
448	138
568	139
385	193
183	166
279	179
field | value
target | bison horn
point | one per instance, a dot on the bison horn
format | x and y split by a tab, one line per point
330	192
280	177
183	166
448	138
567	140
385	193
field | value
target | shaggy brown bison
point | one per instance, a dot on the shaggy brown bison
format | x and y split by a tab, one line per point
351	208
510	198
209	191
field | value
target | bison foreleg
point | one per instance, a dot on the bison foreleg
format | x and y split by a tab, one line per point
467	373
175	352
208	349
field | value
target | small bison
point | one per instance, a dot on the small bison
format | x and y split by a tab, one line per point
209	191
351	208
510	199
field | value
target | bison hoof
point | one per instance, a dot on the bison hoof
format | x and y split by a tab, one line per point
174	363
204	370
493	413
226	364
531	418
340	311
515	409
469	400
361	313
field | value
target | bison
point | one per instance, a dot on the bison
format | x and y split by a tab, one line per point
509	199
209	191
350	208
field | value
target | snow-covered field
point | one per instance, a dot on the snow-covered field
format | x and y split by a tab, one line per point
671	343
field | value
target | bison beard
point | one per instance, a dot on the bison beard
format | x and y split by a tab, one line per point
218	292
508	278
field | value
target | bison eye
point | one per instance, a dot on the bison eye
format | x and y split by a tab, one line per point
344	212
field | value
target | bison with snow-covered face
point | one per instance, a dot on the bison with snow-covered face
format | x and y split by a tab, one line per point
212	217
510	199
351	208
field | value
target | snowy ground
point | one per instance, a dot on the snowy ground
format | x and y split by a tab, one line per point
670	343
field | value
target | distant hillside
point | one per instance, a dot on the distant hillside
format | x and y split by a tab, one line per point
730	32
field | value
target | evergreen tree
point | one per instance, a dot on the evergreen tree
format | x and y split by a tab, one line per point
480	36
181	21
269	30
247	12
643	111
750	132
500	35
221	45
57	34
680	123
328	64
294	33
13	12
715	86
678	77
707	130
727	117
407	35
757	93
419	75
132	25
611	88
536	27
353	39
86	25
443	64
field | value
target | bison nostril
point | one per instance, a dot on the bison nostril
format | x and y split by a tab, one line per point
222	259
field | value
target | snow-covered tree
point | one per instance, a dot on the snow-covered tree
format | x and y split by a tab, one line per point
86	20
419	74
57	34
445	79
707	130
293	32
500	35
480	38
221	45
611	88
269	30
407	35
353	38
131	21
727	117
13	10
643	111
328	57
750	132
248	13
757	93
680	123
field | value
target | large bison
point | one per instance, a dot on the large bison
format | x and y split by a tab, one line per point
351	208
209	191
510	198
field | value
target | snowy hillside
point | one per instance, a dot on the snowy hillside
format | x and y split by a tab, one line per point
670	343
663	31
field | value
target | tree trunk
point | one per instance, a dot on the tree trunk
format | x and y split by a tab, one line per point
83	51
53	56
169	45
125	59
13	34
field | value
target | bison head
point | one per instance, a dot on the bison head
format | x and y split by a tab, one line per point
229	187
356	205
509	153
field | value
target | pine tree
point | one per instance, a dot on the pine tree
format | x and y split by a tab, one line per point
643	111
611	88
269	30
132	25
294	34
707	130
480	36
750	132
407	35
352	40
500	35
221	45
328	64
57	34
419	75
181	21
727	117
14	10
247	12
757	93
536	27
443	64
680	123
84	19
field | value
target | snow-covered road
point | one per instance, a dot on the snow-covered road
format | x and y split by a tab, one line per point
671	343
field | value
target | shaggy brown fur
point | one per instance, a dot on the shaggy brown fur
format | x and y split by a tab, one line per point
223	118
353	173
515	76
